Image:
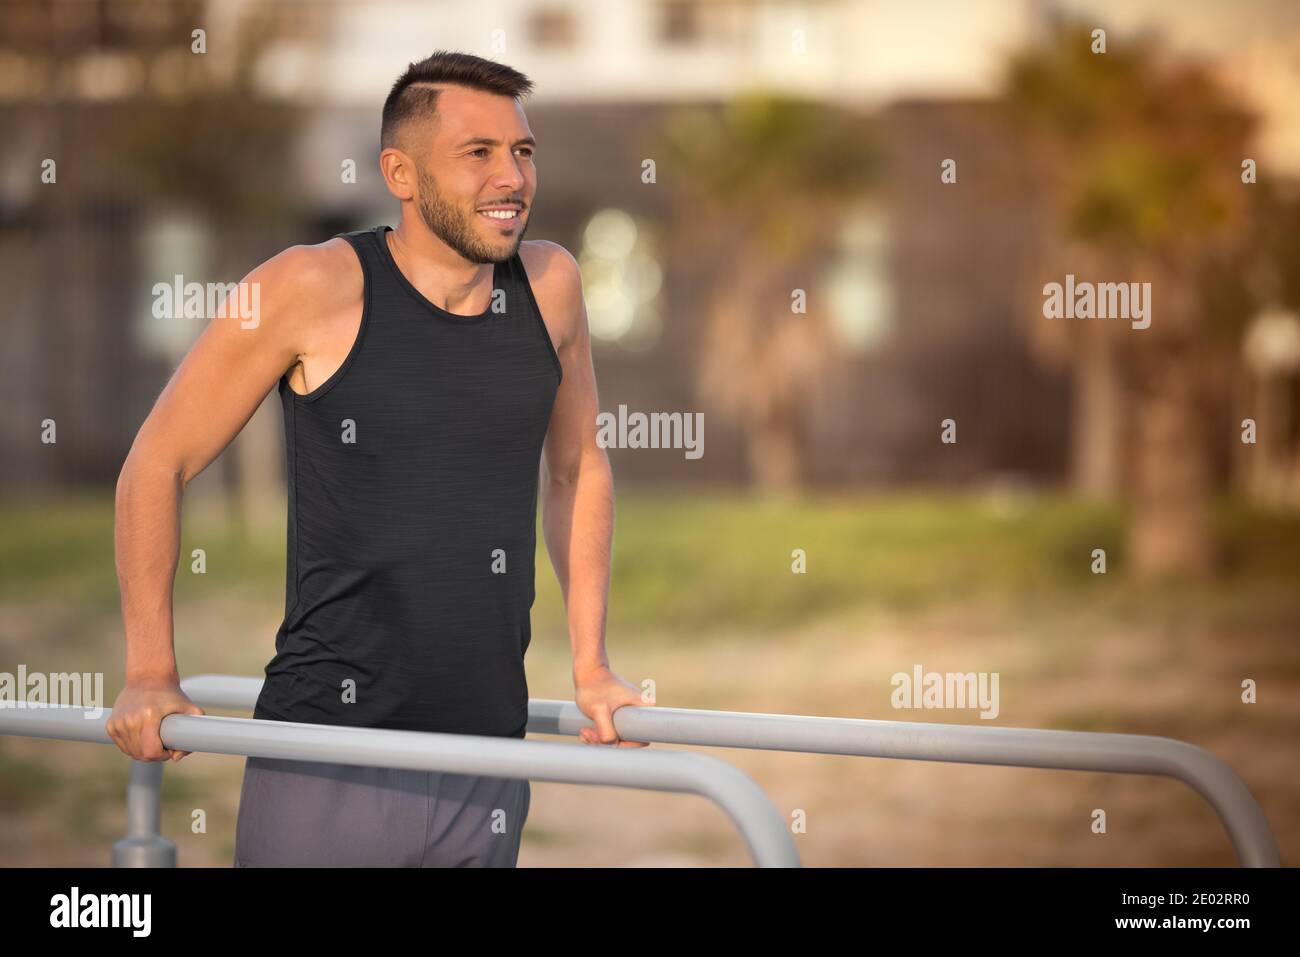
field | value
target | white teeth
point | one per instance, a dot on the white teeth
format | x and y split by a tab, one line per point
500	213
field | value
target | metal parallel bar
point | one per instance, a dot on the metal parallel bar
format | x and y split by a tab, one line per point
760	823
1210	777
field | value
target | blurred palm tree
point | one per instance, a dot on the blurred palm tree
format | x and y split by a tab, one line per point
770	178
1141	155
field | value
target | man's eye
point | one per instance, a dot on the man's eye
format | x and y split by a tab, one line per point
481	149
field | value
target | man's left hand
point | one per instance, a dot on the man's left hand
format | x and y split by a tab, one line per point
598	694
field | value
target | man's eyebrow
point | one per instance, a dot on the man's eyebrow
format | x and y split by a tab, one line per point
488	141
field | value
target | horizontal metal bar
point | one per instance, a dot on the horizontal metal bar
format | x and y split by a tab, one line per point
760	823
1210	777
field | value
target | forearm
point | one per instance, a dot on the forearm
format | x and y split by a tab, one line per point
578	524
146	535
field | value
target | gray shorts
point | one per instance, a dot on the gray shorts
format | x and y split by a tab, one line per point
309	814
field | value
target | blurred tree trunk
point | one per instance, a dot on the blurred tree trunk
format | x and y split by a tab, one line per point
777	448
761	360
1170	532
767	180
1096	432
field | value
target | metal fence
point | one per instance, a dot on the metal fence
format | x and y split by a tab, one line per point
765	830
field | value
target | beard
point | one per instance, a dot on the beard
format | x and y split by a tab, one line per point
456	226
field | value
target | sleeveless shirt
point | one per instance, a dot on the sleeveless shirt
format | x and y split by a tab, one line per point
412	519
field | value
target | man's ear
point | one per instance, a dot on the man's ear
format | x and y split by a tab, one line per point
398	170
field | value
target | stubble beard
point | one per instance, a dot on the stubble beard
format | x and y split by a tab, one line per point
455	227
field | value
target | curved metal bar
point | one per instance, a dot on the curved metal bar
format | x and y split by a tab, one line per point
760	823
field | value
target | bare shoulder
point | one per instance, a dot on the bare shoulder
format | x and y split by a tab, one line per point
556	281
311	297
321	276
547	262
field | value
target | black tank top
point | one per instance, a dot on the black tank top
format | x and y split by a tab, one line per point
412	527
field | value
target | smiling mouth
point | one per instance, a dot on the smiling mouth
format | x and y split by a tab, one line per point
502	215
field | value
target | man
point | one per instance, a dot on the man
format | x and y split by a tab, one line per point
426	373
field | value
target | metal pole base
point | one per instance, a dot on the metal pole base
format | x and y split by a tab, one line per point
154	851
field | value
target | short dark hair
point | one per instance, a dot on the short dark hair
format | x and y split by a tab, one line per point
413	96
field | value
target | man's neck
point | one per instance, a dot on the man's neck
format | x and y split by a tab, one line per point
442	275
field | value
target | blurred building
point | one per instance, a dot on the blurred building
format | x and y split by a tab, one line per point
925	291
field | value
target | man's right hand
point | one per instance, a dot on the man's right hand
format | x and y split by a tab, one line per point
137	718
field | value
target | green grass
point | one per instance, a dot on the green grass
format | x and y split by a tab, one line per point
697	561
62	548
693	563
687	563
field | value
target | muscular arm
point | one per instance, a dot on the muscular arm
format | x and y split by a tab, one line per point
211	396
578	491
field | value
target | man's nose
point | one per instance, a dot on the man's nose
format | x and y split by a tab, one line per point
510	176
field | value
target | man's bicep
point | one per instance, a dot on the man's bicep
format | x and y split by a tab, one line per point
226	374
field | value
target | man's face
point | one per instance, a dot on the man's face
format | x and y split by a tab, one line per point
477	179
